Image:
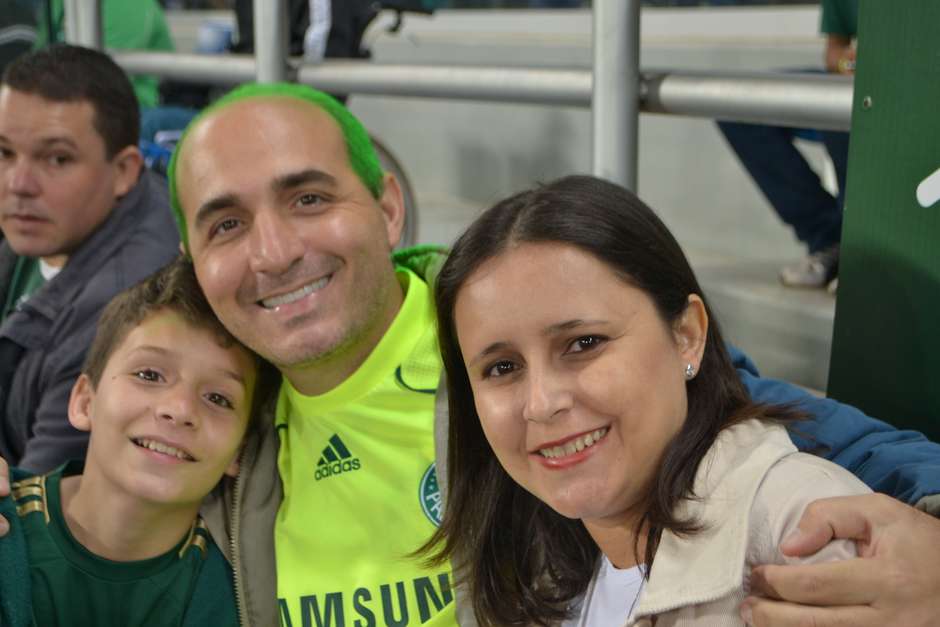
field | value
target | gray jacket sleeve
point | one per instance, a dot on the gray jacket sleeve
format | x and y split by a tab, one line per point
54	438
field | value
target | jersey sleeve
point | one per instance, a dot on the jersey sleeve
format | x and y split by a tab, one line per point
15	593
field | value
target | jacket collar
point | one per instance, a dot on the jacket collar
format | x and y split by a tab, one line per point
710	564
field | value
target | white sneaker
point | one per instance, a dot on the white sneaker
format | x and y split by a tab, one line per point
815	270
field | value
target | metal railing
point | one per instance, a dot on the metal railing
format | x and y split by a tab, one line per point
83	22
616	89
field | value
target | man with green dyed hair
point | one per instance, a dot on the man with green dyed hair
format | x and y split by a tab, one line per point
290	223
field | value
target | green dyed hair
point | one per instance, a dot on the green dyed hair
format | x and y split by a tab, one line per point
362	156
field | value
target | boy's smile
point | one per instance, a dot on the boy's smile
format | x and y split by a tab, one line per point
164	449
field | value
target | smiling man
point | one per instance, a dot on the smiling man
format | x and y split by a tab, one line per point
80	223
290	223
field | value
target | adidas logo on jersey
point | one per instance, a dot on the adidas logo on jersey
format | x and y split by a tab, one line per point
336	459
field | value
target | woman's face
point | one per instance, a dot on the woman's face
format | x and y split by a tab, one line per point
578	382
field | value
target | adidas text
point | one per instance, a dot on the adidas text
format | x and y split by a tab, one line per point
338	467
336	459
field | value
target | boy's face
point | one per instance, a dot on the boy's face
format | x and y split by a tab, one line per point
169	414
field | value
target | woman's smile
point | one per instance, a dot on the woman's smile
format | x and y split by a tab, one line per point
570	451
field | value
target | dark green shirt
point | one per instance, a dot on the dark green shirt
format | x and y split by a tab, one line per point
840	17
26	279
72	586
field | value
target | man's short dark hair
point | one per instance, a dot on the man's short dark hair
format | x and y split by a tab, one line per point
174	288
65	73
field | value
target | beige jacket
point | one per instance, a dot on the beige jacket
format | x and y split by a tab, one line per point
753	486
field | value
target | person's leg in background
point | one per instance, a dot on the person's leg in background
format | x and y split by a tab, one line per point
795	192
837	145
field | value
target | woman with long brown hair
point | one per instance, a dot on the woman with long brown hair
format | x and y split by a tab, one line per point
605	464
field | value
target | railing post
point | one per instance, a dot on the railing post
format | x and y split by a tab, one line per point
271	40
83	23
615	101
70	10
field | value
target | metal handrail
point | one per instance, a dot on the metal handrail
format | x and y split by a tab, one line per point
801	100
616	87
819	101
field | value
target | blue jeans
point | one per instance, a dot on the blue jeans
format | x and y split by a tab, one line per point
789	184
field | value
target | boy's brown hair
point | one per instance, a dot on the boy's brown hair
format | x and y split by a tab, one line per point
173	288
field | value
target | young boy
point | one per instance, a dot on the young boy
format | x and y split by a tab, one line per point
166	394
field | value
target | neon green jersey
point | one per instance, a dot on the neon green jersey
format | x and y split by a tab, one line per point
360	490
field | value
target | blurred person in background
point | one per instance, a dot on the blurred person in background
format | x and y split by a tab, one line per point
128	25
17	29
782	173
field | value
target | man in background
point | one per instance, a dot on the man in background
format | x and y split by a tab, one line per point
81	222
